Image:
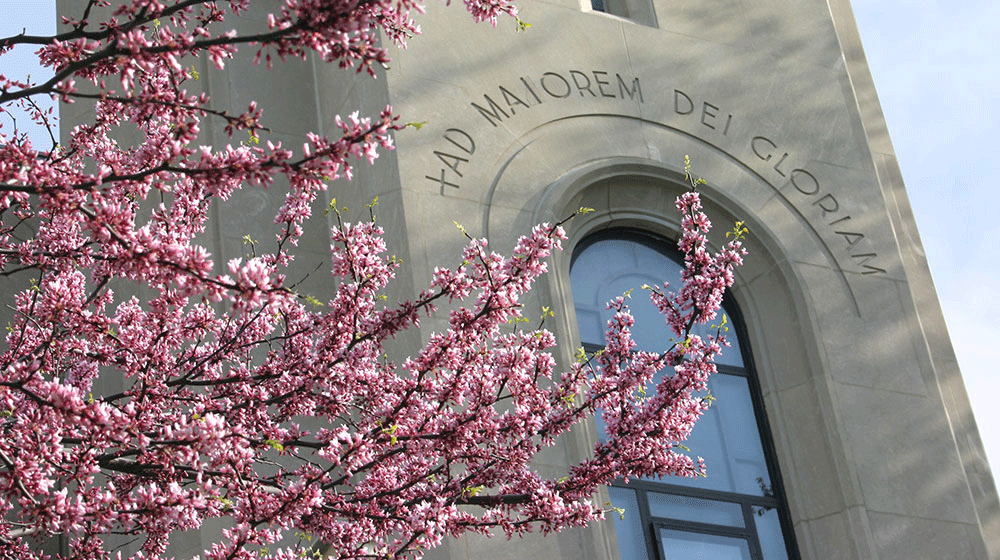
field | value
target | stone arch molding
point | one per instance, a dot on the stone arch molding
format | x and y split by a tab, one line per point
630	172
570	153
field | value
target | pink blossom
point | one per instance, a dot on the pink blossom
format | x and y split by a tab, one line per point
240	399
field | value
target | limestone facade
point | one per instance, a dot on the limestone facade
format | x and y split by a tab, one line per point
773	101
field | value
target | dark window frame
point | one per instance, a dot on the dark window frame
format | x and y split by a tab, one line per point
642	12
749	504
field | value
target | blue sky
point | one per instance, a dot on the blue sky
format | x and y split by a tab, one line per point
937	71
936	67
36	17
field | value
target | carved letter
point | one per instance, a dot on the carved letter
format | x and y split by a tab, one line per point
601	84
470	149
623	89
495	113
577	75
828	204
796	179
705	113
754	146
527	86
850	237
678	94
867	257
780	161
549	91
441	181
454	161
511	99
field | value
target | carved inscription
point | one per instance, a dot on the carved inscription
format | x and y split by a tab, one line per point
530	92
707	119
806	183
462	147
708	114
457	147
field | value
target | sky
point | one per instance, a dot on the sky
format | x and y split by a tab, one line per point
937	71
936	66
34	17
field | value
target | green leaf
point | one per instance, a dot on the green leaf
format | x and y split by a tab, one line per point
391	432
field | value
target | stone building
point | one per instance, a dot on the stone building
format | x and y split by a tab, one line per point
872	434
864	445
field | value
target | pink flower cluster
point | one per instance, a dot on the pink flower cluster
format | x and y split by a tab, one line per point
221	393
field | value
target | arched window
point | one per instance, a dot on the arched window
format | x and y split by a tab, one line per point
738	512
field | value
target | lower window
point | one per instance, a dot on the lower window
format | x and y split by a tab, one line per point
737	512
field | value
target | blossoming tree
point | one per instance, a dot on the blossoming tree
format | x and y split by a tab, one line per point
240	400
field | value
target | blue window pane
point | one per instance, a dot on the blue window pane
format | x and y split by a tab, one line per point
591	323
728	438
612	267
680	545
686	508
628	527
772	543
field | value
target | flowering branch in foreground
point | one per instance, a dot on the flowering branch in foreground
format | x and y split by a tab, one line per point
239	400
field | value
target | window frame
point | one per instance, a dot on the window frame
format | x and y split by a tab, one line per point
777	499
637	11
